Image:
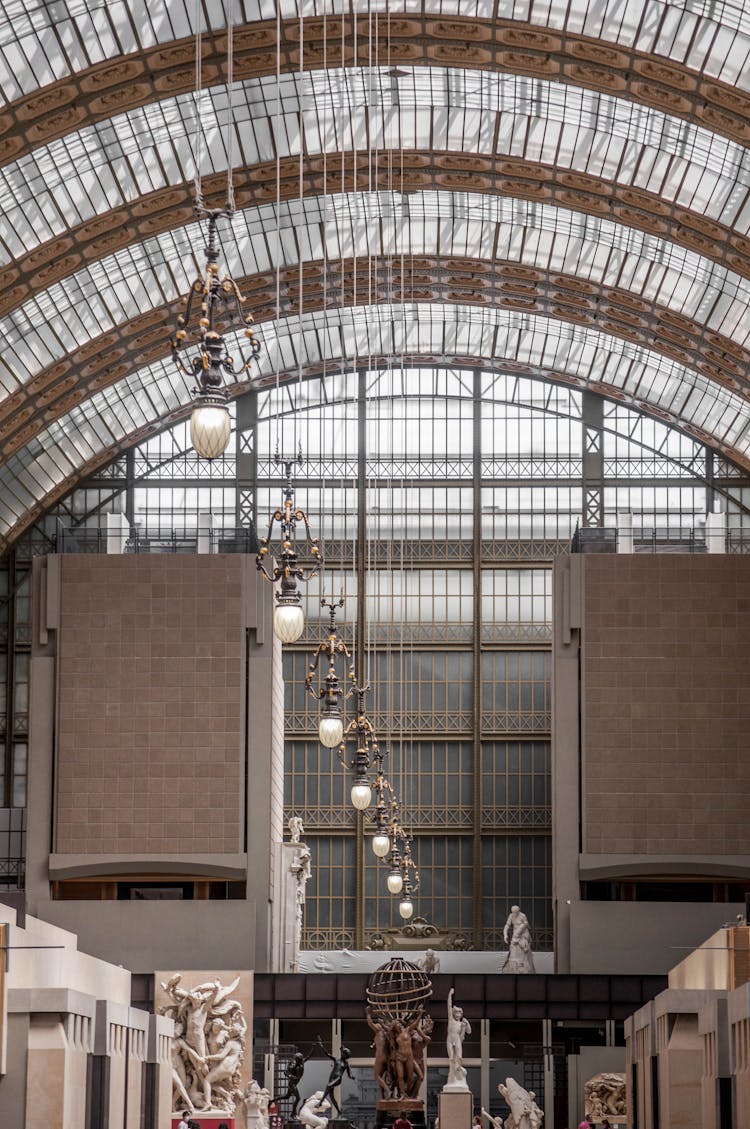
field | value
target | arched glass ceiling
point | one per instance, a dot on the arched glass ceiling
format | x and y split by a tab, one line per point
484	228
42	42
103	166
59	453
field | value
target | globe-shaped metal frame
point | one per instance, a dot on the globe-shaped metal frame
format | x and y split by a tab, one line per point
398	991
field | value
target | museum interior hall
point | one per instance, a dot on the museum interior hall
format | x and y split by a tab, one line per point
374	564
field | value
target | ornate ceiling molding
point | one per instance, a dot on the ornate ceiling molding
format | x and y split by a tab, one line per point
112	357
137	79
408	171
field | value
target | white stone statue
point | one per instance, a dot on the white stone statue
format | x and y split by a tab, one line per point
255	1103
208	1046
301	868
524	1112
458	1028
312	1111
296	830
495	1122
429	962
517	937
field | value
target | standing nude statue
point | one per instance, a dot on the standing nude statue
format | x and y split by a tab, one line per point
458	1028
381	1046
340	1067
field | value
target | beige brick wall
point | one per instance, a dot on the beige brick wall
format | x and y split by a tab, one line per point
150	724
666	704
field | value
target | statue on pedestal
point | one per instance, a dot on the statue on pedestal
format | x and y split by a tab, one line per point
458	1028
301	868
255	1102
208	1046
517	937
296	830
396	994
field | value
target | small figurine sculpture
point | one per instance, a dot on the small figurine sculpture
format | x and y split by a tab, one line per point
429	962
294	1071
517	937
340	1067
458	1029
524	1112
255	1102
296	830
312	1111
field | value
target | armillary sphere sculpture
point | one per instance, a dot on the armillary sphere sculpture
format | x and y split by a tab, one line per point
396	997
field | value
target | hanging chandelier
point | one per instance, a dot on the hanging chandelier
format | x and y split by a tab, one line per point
361	731
283	568
330	725
217	302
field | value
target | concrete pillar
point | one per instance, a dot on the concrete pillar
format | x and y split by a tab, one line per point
484	1043
121	1036
159	1052
549	1075
716	533
118	531
625	539
205	527
59	1043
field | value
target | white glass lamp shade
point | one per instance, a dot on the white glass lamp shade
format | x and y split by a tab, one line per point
210	428
330	731
381	844
288	622
395	882
361	795
405	907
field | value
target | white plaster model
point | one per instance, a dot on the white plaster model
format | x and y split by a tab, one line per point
495	1122
524	1112
296	830
312	1111
430	962
208	1046
517	937
301	868
458	1028
255	1103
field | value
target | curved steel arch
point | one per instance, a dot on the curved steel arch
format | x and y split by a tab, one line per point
712	87
415	171
448	225
80	179
72	447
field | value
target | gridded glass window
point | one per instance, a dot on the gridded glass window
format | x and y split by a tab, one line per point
21	695
442	513
330	894
516	789
423	692
20	759
435	780
421	604
516	690
512	512
316	785
23	611
444	896
516	604
517	870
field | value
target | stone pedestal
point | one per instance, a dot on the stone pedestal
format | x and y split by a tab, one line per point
210	1120
387	1110
455	1109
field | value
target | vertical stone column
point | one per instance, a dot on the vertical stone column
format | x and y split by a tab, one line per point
118	531
205	527
625	540
716	533
288	906
159	1052
59	1043
120	1037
